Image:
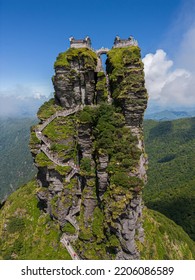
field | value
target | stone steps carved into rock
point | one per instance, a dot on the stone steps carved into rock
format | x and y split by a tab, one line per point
63	113
65	241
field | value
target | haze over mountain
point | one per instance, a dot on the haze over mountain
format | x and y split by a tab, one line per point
16	165
20	106
169	115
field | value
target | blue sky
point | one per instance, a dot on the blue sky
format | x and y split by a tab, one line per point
33	32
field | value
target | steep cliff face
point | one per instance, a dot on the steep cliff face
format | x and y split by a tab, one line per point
74	79
125	70
89	152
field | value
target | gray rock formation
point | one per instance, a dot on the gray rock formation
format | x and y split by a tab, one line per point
77	187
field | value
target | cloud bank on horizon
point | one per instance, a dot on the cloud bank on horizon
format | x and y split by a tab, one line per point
21	101
168	86
12	106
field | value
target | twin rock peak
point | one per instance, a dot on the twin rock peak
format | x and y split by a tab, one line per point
89	150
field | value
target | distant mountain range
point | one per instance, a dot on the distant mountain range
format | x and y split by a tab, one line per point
167	115
16	164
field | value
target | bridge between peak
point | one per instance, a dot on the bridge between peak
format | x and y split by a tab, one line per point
102	51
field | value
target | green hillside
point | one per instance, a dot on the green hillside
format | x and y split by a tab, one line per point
170	147
26	232
170	190
16	166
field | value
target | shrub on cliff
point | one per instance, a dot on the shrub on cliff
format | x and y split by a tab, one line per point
85	57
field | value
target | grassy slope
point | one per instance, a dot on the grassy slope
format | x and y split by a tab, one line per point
28	233
25	231
171	174
164	240
16	166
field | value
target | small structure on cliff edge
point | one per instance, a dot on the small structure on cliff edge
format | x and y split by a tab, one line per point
80	43
119	43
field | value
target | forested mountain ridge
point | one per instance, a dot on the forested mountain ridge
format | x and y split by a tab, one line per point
16	164
21	219
170	189
162	193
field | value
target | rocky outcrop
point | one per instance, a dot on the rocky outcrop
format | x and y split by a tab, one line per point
74	79
102	174
89	200
89	152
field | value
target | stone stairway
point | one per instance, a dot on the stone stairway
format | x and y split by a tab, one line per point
72	173
70	217
72	221
65	241
45	148
63	113
76	209
43	138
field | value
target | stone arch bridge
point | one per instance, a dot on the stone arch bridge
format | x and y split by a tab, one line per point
102	51
99	53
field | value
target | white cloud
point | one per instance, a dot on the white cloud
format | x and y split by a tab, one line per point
21	101
171	82
167	86
13	106
23	91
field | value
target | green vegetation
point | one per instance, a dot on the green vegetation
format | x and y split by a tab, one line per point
97	225
25	231
88	115
15	224
101	88
110	138
68	228
60	128
119	57
85	57
61	131
16	165
42	160
63	170
164	240
170	147
61	134
126	74
85	166
28	233
48	109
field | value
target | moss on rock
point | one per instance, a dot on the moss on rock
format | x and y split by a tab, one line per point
87	58
25	231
